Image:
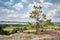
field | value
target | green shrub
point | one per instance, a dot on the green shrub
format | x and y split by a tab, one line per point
21	29
14	31
4	32
30	25
25	28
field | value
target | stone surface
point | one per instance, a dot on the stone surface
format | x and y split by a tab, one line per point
25	36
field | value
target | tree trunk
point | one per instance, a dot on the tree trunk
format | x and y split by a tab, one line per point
37	28
37	23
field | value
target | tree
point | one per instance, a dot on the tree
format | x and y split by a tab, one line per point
39	17
49	22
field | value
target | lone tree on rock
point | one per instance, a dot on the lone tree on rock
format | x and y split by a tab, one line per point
38	16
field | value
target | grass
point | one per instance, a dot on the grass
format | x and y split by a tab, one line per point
29	30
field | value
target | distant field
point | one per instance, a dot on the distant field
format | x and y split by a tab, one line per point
57	23
10	26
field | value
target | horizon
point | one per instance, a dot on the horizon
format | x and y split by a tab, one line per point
18	21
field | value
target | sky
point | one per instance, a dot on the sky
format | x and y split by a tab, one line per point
19	10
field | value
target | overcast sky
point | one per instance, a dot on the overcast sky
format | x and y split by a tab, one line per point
19	10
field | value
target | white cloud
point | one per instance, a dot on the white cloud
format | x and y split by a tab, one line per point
31	5
25	15
51	14
41	1
31	1
35	3
47	4
3	13
54	13
9	3
11	14
58	6
18	6
11	0
14	14
25	1
28	1
7	14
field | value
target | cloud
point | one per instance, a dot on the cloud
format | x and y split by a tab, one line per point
3	13
52	9
58	6
51	14
18	6
25	15
7	3
25	1
12	14
47	4
31	1
31	6
41	1
11	0
54	13
18	16
6	14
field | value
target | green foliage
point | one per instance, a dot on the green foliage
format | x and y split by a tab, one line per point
44	16
5	33
42	23
31	25
37	7
33	14
21	29
25	28
48	22
14	30
1	28
2	32
36	14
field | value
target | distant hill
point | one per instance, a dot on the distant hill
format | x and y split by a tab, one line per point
13	22
18	22
57	23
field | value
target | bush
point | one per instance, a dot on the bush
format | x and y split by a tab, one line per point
25	28
21	29
14	31
6	33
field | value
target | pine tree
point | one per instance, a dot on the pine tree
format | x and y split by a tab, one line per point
38	16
